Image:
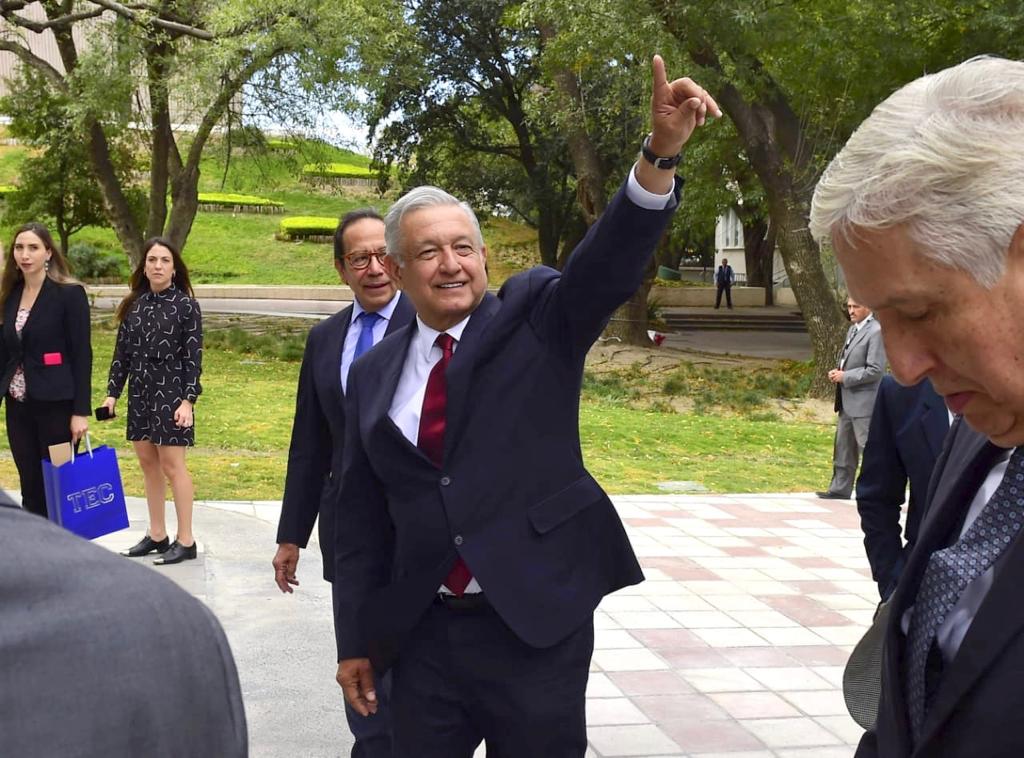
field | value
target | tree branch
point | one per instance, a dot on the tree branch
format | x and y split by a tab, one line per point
41	26
171	26
29	58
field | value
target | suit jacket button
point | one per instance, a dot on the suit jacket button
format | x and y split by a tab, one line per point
445	481
458	539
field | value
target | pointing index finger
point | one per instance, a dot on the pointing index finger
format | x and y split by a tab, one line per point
658	70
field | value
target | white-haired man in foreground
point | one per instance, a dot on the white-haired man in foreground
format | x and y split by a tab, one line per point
925	208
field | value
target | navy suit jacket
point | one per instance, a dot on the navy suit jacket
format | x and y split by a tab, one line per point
976	708
318	434
512	497
58	325
908	427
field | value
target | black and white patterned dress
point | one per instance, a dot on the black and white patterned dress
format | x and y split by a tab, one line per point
159	351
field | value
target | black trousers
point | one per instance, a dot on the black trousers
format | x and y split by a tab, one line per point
727	289
32	426
464	677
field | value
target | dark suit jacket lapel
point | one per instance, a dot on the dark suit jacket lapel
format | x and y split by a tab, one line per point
460	370
44	294
377	400
999	618
333	349
967	462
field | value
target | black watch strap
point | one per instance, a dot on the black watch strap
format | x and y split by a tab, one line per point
656	160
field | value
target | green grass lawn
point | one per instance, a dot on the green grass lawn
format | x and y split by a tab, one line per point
229	248
243	425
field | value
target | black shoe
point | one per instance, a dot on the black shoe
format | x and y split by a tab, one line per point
176	554
832	496
147	545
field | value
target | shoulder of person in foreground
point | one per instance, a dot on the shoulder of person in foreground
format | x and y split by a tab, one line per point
113	659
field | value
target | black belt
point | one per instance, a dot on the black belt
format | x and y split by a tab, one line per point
470	602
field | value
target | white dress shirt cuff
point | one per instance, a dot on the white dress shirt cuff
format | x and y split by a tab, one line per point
647	200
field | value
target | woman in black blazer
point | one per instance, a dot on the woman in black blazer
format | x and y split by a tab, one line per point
46	355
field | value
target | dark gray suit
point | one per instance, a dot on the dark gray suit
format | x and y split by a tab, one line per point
102	657
863	365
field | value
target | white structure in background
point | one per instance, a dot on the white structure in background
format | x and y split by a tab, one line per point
729	244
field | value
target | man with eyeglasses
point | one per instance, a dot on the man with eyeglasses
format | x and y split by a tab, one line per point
318	432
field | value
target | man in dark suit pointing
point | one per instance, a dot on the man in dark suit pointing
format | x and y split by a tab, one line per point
483	545
925	209
318	432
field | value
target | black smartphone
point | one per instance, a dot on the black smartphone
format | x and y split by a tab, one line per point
103	413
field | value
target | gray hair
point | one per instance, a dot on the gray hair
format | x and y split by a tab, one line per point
943	157
414	200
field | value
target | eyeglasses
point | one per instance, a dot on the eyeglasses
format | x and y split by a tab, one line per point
360	259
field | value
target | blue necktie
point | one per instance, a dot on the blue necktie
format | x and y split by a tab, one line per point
366	323
951	570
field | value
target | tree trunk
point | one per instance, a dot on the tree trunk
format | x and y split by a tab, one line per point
160	137
759	253
119	212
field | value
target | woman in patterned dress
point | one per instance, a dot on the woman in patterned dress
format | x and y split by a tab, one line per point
159	352
45	356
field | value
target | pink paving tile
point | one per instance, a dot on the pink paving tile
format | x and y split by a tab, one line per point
806	611
660	639
660	708
815	586
643	522
756	656
744	551
817	655
693	658
635	683
813	562
702	737
754	705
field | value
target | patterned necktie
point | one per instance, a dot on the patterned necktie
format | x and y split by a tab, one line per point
951	570
431	438
366	323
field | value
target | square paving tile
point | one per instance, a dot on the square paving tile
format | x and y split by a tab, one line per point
635	683
660	708
721	680
703	736
613	710
632	740
754	705
730	637
628	660
791	732
818	702
789	678
599	685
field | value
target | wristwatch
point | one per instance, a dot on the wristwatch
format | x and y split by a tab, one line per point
656	160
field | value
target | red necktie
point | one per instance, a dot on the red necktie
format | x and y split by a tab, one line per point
431	439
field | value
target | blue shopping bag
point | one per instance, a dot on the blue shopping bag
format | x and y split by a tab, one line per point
85	495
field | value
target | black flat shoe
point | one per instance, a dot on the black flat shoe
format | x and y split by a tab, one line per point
832	496
176	554
147	545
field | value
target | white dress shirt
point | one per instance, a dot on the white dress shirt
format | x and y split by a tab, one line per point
953	629
348	350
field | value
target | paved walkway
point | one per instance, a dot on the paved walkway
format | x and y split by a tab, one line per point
734	646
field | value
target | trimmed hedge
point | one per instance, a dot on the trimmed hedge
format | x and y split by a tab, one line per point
338	171
316	228
226	201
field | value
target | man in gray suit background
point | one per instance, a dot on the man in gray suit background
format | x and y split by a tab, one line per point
860	370
102	657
